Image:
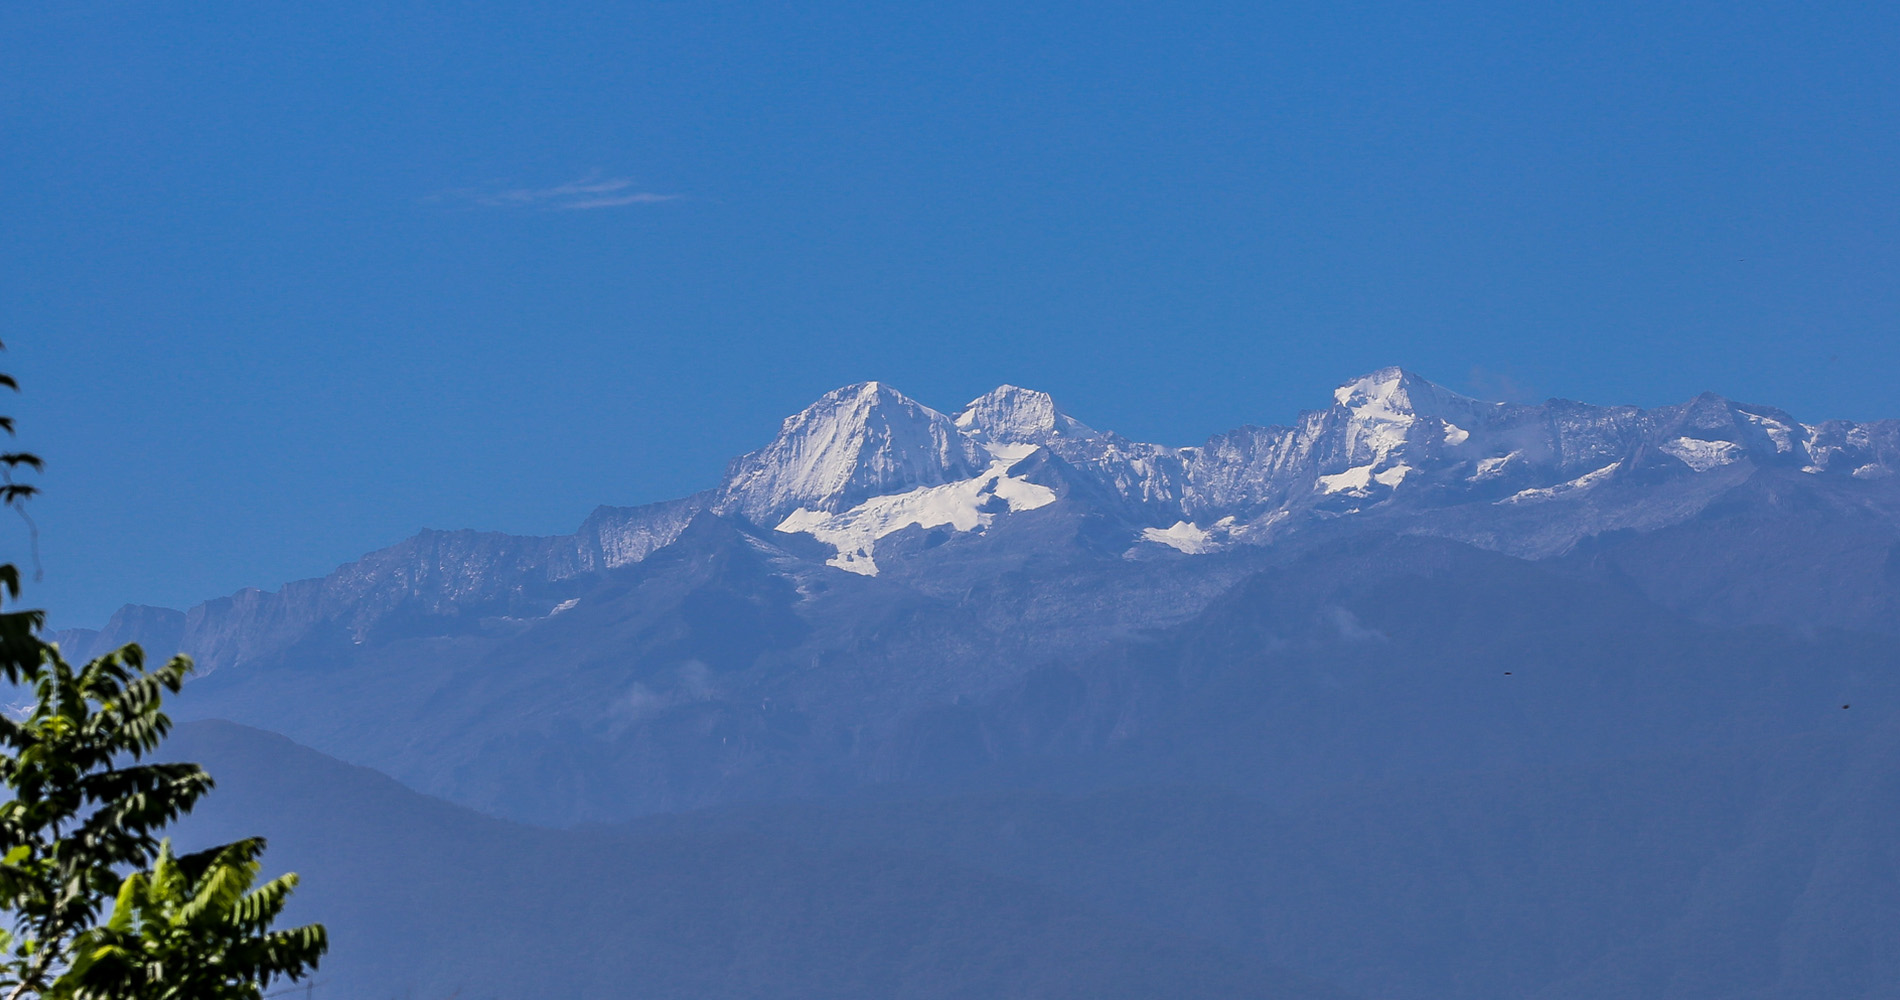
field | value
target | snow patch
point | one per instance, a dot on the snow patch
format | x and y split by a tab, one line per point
1455	434
1491	468
1393	476
1183	536
964	506
1703	455
1582	482
1357	480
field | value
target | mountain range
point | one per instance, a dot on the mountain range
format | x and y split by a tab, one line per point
865	468
1407	697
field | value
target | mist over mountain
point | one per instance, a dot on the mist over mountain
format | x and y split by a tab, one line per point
1408	697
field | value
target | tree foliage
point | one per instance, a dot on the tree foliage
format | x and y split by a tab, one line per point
81	830
193	928
77	818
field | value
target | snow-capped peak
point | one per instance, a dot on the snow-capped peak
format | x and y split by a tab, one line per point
854	443
865	461
1395	394
1009	415
1379	416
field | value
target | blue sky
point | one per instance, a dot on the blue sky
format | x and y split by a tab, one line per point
288	282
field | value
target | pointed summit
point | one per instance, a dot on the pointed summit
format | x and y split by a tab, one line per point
1391	423
1010	414
857	442
1395	391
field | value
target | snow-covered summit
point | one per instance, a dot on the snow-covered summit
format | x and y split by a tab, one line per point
1376	418
1010	414
854	443
1008	420
1397	391
1381	432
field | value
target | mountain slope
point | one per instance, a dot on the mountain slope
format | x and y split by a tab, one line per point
424	899
1761	870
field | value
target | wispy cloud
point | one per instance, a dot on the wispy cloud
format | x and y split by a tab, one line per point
1499	386
590	192
617	200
